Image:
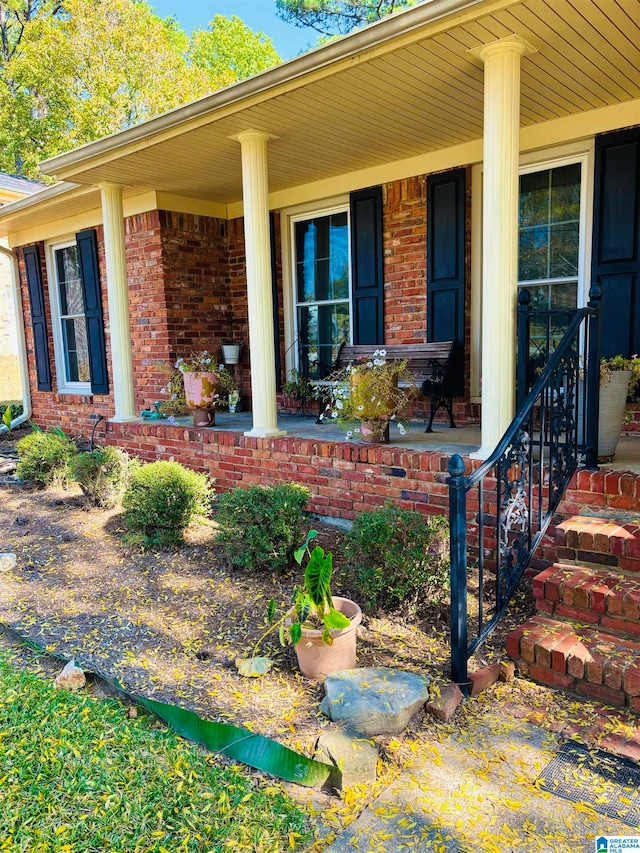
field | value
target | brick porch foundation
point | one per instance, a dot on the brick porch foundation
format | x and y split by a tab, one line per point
344	478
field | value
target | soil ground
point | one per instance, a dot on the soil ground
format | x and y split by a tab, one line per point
169	624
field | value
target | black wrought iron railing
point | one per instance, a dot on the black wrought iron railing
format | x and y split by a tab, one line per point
500	512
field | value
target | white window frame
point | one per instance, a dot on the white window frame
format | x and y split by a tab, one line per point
585	219
289	219
63	385
582	151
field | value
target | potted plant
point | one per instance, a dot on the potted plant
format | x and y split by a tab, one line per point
298	390
231	352
200	374
369	394
229	388
322	627
619	377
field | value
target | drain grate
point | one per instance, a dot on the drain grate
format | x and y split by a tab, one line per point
609	784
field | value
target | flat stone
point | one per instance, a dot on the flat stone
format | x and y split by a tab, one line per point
71	677
374	700
8	561
507	670
444	706
355	756
483	678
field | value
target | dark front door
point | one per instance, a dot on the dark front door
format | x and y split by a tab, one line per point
616	240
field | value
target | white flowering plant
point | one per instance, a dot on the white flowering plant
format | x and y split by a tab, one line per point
200	362
371	390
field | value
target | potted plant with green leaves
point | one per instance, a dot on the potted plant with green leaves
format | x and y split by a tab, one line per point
298	391
619	377
321	627
229	389
369	394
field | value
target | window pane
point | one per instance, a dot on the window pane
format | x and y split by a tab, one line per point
68	268
322	261
534	198
565	193
76	350
549	223
322	329
563	260
533	253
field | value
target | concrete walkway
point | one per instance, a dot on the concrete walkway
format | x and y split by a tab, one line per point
475	792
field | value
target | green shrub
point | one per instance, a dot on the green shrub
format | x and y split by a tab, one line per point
260	527
103	474
43	458
398	557
161	500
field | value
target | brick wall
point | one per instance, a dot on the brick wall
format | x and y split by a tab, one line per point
344	478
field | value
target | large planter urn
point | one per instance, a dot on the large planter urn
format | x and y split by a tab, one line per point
317	659
200	391
613	400
375	432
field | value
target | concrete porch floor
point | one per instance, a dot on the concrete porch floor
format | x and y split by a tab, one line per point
462	440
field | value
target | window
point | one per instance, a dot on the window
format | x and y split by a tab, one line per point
550	246
322	289
70	329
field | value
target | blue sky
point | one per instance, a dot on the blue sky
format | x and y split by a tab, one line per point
289	40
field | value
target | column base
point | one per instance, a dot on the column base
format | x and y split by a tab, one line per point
265	432
123	419
481	453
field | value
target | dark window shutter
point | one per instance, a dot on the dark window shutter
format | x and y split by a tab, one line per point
274	292
367	306
31	257
446	264
90	274
616	240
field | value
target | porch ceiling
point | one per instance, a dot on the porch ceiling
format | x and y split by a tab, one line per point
412	94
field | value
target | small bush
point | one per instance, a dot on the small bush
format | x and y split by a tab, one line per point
260	527
103	474
161	500
398	558
43	458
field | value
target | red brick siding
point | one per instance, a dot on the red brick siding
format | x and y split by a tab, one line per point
343	478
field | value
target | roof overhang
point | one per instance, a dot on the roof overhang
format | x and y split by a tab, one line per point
397	91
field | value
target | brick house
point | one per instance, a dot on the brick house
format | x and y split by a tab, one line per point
396	185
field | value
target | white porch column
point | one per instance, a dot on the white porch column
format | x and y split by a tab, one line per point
117	290
255	195
499	234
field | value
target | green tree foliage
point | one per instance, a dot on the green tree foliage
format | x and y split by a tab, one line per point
229	51
337	17
76	70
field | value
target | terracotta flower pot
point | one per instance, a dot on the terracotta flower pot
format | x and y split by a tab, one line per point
200	389
317	659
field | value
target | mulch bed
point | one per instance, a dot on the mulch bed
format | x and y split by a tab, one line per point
169	624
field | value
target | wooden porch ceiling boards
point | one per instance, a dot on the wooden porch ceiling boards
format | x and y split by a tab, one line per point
411	96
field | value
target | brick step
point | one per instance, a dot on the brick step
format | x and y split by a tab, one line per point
603	542
603	598
602	490
578	658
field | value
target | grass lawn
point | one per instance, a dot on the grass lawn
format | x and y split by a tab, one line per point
79	774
